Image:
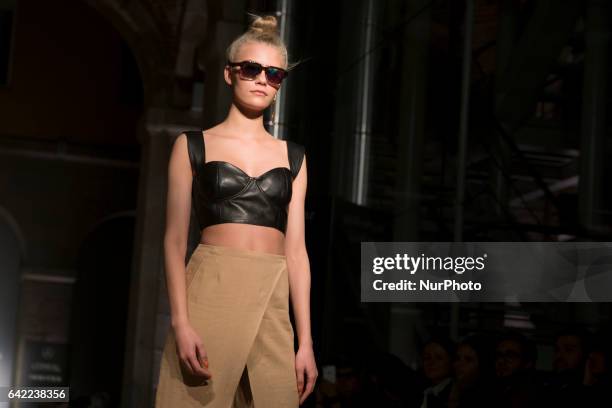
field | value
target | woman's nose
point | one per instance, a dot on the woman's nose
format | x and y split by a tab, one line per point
261	77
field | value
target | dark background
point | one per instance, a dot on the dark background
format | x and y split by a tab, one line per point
93	93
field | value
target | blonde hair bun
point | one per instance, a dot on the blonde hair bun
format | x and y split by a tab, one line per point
264	24
263	29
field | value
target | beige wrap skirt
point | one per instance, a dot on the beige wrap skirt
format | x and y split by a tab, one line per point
238	302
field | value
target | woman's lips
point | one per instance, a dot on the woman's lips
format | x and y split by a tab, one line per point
262	93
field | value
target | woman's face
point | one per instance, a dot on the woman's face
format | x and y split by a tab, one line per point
436	363
466	363
244	90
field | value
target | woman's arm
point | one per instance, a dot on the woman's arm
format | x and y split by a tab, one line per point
299	284
297	258
178	208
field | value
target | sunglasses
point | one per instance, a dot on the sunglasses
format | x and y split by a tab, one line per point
249	70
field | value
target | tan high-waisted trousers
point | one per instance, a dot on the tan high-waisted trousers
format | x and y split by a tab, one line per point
238	302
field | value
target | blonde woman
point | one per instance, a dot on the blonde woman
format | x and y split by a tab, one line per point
231	342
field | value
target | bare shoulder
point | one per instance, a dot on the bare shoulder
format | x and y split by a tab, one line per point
179	155
180	143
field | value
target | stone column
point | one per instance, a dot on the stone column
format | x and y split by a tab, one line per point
144	322
147	264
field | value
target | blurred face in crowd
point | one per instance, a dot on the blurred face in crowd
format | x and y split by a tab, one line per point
436	363
509	358
466	363
568	353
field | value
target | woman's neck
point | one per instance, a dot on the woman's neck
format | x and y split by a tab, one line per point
245	122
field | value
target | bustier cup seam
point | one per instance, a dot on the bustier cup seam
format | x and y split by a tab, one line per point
266	195
216	176
222	199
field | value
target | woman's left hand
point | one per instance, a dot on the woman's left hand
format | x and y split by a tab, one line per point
305	366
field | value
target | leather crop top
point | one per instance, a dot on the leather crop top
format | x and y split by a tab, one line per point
223	193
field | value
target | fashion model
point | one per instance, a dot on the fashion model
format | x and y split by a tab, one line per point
231	343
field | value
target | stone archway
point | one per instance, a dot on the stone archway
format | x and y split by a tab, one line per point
151	47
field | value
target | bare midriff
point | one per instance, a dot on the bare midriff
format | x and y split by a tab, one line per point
245	236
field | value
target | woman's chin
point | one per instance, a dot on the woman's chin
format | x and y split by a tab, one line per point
252	107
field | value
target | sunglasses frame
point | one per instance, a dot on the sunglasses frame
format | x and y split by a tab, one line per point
262	68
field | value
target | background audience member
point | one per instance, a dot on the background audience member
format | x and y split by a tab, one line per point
516	382
473	368
437	369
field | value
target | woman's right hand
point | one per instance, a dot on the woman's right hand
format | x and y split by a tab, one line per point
191	350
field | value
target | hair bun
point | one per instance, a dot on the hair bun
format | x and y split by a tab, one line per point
262	29
265	24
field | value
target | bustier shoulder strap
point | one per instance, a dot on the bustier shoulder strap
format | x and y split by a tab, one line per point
195	146
296	156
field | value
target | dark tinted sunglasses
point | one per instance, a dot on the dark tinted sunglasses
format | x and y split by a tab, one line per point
250	69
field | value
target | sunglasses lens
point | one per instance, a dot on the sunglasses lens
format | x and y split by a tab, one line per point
275	76
250	69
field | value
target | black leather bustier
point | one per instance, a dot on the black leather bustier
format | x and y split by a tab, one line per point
223	193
